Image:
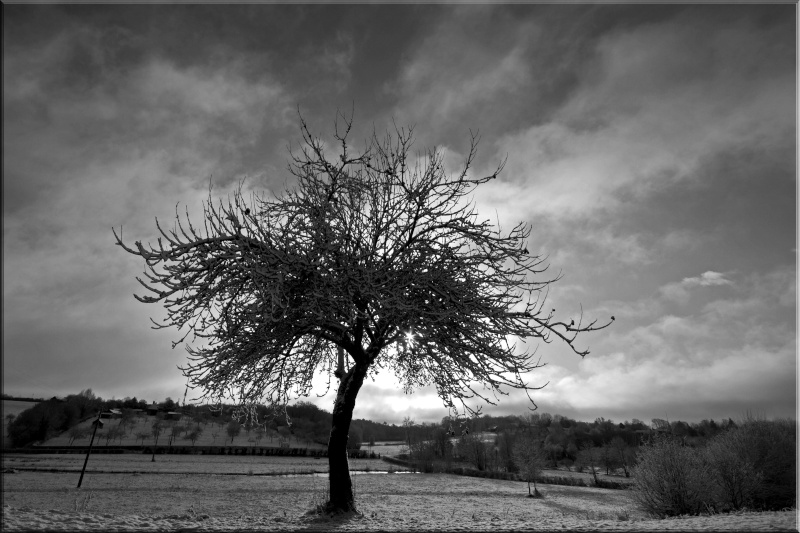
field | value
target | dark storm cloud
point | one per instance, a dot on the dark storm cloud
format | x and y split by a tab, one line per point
651	147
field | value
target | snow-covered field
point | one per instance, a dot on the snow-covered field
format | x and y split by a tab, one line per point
163	495
182	464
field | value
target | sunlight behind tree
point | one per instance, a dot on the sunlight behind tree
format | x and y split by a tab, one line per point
373	261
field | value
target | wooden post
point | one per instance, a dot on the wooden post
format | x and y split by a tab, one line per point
85	462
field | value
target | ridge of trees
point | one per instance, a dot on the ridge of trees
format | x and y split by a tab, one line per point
5	396
562	437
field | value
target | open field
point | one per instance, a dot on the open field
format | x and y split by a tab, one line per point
397	447
188	492
390	448
142	463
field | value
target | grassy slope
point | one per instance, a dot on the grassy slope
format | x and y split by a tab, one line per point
143	424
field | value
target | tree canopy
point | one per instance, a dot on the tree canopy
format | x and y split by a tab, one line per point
370	251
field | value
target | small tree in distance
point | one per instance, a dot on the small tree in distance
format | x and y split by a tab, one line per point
474	450
590	456
156	429
113	433
233	429
194	435
375	260
624	453
76	432
142	435
530	457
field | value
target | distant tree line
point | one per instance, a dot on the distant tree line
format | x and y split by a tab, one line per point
492	444
601	445
5	396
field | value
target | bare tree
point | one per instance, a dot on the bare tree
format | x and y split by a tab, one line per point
474	450
376	259
125	419
174	432
589	455
113	433
142	435
624	453
76	432
194	434
408	429
233	429
530	457
156	429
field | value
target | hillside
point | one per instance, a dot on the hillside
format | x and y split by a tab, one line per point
66	421
139	432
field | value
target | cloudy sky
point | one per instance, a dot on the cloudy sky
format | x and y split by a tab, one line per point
651	148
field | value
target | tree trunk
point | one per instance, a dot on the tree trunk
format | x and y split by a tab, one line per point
341	486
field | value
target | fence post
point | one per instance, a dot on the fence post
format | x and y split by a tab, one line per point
96	424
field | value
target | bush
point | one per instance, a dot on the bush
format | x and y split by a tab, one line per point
752	465
736	479
755	464
671	479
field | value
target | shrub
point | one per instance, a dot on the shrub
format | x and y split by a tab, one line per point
562	480
736	479
671	479
755	464
609	484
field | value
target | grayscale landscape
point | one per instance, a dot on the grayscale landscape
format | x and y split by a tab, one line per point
409	266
